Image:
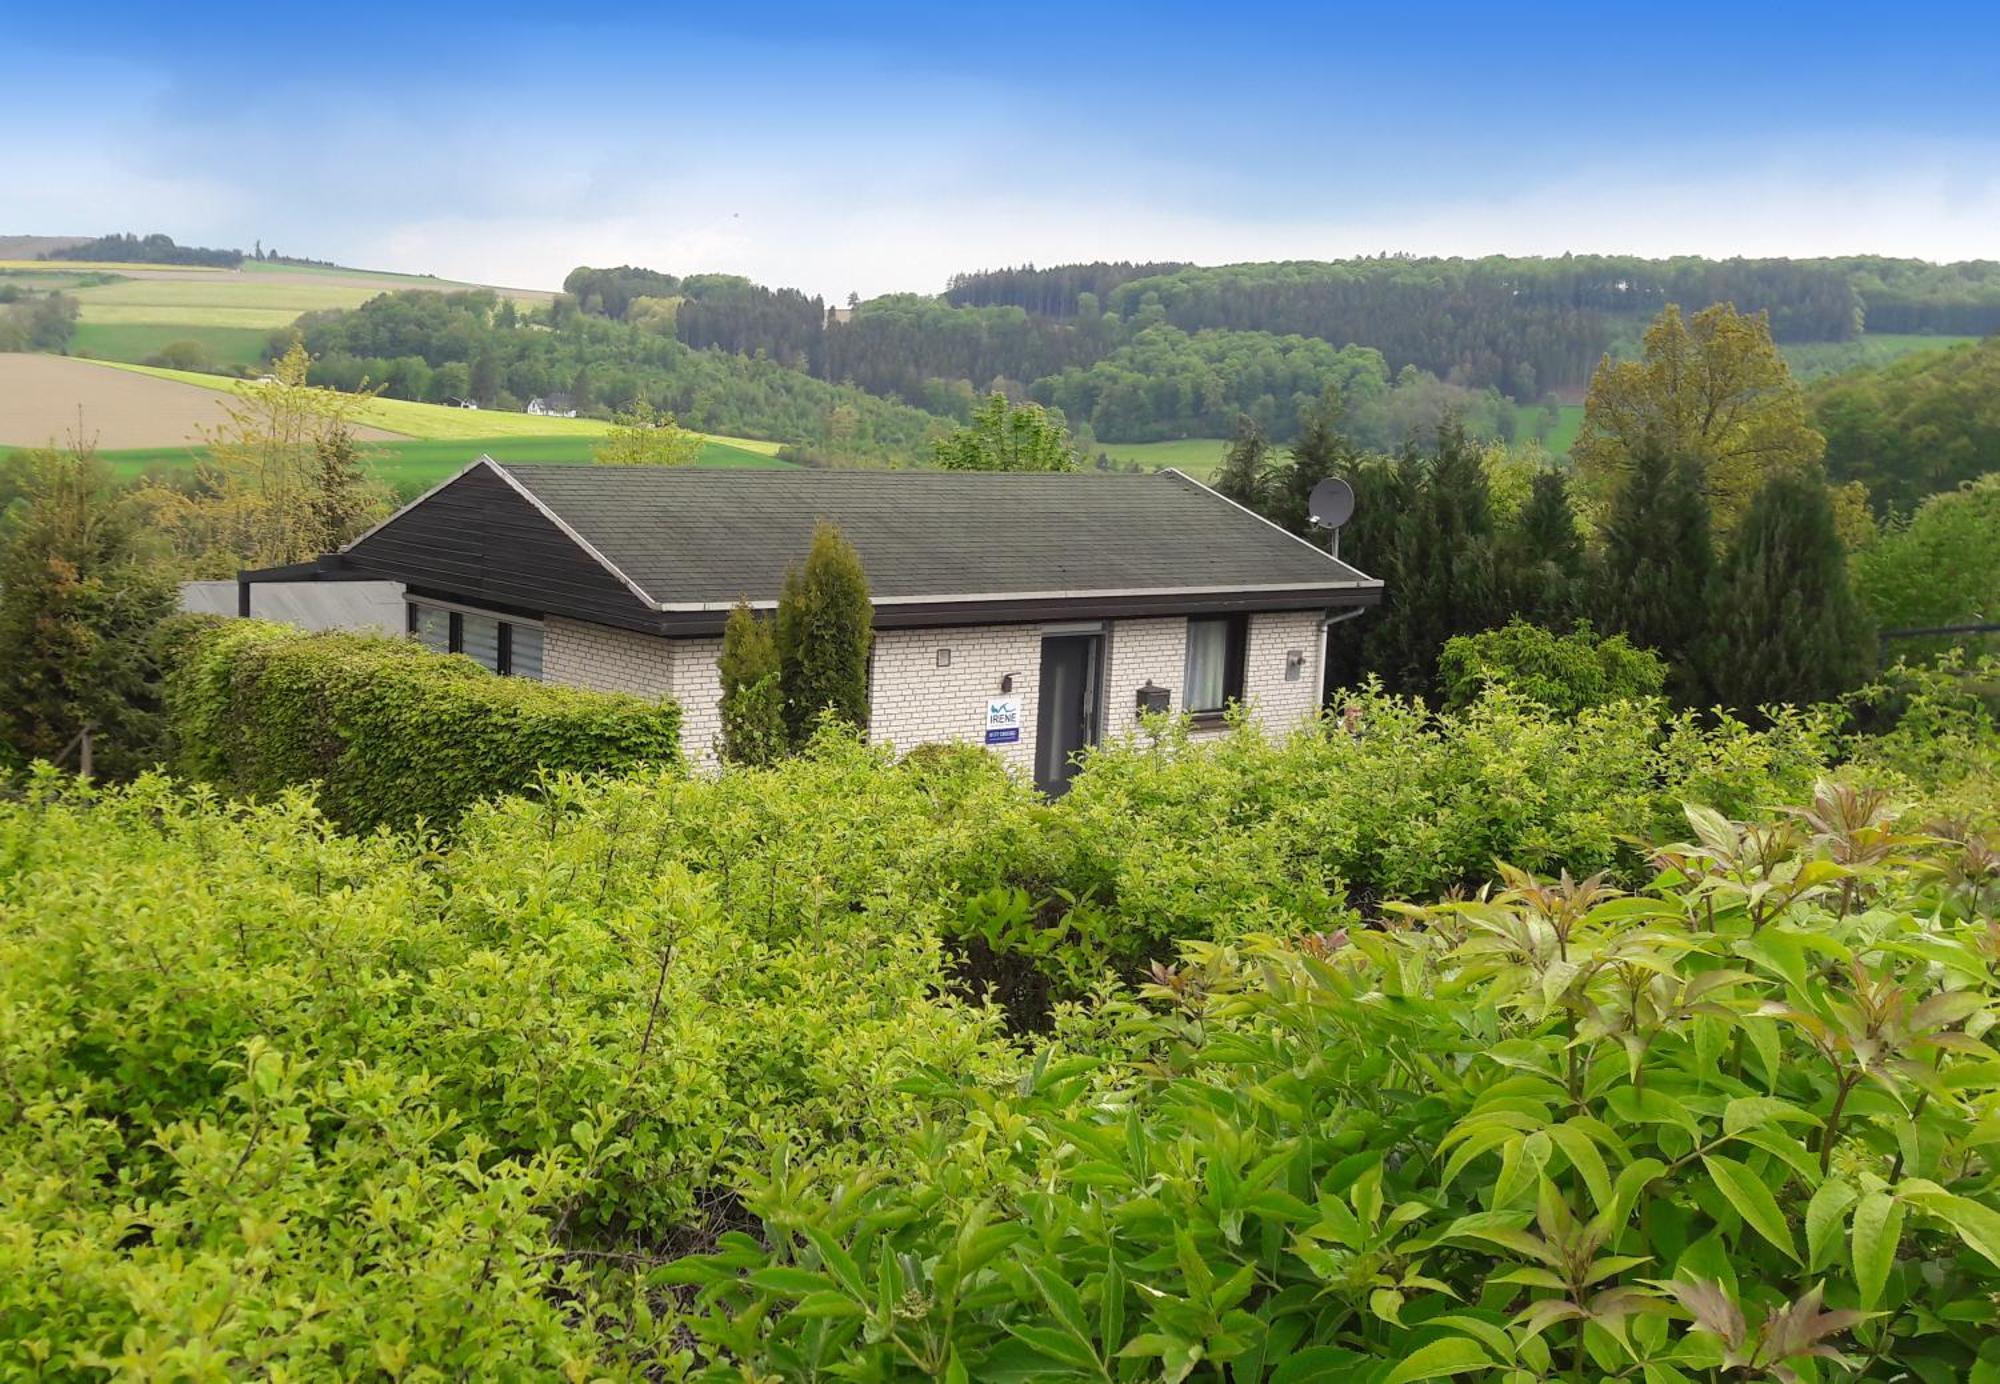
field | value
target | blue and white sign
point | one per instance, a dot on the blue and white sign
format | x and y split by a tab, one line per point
1003	720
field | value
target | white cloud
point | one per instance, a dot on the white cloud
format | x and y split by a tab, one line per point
832	233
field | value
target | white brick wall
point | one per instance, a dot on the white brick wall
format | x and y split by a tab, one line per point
1142	651
697	686
580	654
915	702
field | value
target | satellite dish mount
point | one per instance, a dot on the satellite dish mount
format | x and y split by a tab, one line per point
1331	505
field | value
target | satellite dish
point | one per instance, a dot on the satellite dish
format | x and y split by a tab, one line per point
1331	503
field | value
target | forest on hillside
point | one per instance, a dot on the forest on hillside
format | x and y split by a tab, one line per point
1527	328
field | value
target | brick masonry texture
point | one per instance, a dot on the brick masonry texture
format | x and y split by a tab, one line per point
913	701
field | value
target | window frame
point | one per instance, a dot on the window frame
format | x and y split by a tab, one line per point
1235	659
455	625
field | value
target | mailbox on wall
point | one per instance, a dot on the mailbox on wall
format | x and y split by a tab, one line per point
1152	698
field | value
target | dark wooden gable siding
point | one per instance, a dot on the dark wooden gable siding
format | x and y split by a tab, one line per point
479	540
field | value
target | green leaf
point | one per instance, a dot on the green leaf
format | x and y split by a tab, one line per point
1752	1199
1878	1226
1976	1224
1441	1359
1111	1309
1057	1345
1316	1363
1826	1215
790	1282
1581	1150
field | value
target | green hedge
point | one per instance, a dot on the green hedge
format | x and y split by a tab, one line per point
391	732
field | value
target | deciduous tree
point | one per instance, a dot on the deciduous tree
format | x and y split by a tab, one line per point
1008	437
1711	389
643	436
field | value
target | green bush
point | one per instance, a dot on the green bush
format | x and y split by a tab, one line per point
392	733
1737	1125
1564	672
280	1101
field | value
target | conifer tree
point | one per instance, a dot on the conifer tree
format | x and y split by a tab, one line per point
1321	450
1440	568
825	627
1787	626
753	702
1245	475
1653	574
78	602
1541	555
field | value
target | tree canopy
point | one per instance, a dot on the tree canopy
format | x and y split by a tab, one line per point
1714	392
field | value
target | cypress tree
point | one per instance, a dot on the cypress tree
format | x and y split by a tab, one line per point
1246	467
1787	627
1321	450
1653	576
825	627
1439	571
1541	555
753	702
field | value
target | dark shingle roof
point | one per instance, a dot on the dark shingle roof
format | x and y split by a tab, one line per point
689	537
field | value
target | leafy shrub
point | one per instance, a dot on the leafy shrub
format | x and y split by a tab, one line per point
1390	799
1564	672
1737	1124
392	733
279	1100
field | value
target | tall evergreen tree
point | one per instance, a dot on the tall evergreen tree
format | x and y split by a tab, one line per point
753	699
1321	450
1440	569
78	602
1246	467
1541	555
1652	576
825	627
1787	627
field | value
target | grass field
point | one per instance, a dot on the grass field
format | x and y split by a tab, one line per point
1812	360
436	422
137	341
412	467
1569	418
1196	456
107	266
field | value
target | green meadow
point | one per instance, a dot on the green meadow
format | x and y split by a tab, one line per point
412	467
136	342
1195	456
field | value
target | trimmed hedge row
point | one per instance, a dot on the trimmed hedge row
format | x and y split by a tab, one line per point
392	733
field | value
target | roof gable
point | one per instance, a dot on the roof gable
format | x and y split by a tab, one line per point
482	536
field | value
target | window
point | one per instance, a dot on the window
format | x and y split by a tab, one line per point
479	640
1215	648
432	627
512	648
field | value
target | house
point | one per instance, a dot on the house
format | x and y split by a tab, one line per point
454	401
1031	613
553	405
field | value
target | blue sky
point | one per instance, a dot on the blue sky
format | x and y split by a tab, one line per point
879	148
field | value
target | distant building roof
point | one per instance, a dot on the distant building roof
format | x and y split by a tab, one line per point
673	548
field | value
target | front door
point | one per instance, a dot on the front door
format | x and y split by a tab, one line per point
1067	720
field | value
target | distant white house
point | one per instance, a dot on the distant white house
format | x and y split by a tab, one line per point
455	402
553	405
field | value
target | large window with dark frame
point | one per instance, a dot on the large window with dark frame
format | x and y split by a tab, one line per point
511	648
1216	645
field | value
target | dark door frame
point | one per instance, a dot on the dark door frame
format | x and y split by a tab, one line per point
1091	713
